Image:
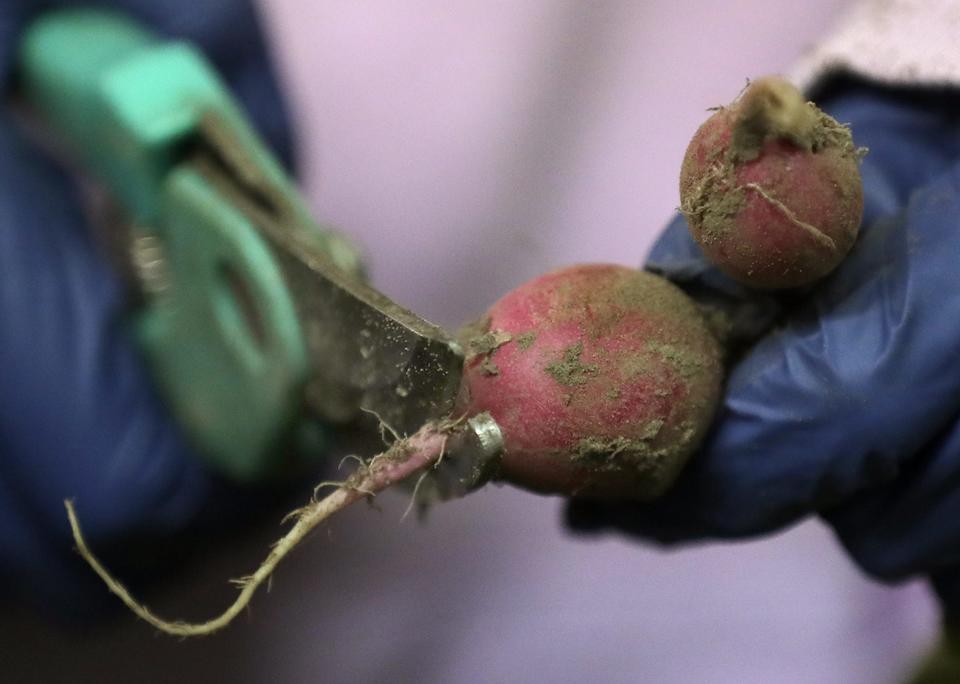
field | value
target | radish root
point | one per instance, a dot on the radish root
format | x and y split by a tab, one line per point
405	457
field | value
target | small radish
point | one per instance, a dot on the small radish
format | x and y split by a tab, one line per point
603	379
770	186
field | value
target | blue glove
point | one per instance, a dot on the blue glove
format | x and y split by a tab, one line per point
79	417
848	408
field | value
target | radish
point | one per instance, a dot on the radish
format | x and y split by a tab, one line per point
603	380
771	188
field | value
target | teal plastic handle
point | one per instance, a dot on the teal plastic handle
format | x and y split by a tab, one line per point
128	102
63	56
219	328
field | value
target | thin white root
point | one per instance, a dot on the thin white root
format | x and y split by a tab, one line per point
423	476
406	457
351	457
384	427
814	232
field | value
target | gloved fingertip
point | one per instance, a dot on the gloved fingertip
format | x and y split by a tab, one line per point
584	517
946	586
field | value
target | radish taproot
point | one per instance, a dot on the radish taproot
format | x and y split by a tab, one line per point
770	186
603	380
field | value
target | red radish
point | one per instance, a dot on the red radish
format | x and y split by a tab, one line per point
603	380
771	188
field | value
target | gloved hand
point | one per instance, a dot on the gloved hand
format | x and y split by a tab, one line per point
79	417
848	408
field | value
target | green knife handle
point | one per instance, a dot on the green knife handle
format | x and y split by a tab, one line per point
63	57
219	327
126	101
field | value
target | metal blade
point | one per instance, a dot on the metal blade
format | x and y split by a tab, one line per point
367	351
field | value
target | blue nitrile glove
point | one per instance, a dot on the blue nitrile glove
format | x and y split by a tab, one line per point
850	407
79	417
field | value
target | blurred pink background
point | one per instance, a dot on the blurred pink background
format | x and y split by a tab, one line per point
470	145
